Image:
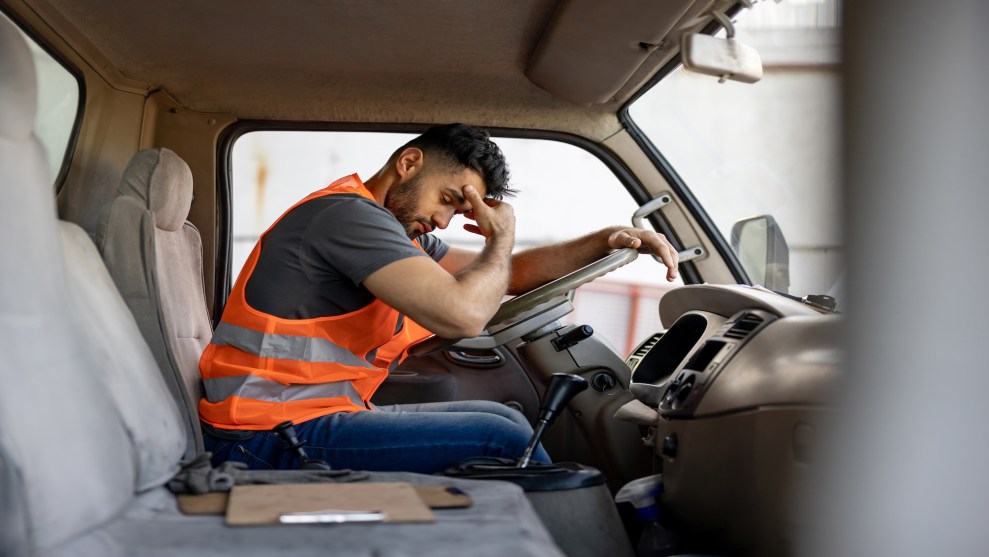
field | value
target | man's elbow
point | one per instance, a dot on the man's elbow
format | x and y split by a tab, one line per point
462	325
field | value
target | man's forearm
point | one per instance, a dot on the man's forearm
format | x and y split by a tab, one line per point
536	266
485	280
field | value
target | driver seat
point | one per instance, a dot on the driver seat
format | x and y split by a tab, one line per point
155	258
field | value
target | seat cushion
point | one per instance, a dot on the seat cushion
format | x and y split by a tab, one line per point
123	362
179	264
13	527
500	522
59	433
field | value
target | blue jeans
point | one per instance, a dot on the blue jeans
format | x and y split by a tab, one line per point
425	438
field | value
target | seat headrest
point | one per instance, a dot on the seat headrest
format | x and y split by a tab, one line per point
18	88
162	182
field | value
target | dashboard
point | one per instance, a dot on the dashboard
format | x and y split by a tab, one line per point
741	333
738	386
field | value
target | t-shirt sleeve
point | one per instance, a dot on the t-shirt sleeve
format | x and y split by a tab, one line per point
356	237
433	246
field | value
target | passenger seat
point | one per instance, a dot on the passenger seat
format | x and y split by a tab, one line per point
155	258
73	457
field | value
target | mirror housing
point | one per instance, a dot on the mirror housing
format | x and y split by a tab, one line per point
724	58
762	249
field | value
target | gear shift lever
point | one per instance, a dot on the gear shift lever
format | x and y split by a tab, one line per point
562	388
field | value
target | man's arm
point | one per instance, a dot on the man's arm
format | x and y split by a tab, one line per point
454	305
536	266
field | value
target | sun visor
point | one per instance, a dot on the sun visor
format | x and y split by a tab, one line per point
592	48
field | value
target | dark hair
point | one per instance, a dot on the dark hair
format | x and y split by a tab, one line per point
461	146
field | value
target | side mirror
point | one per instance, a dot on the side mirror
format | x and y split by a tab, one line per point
724	58
761	247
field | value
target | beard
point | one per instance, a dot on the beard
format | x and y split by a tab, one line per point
403	202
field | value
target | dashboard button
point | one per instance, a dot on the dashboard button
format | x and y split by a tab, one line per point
682	393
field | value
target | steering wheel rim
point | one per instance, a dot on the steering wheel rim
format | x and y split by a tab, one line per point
571	281
536	296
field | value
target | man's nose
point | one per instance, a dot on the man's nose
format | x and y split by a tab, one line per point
442	220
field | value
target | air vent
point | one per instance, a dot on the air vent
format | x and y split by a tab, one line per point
744	326
642	350
647	345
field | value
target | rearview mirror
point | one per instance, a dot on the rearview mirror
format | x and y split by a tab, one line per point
724	58
761	247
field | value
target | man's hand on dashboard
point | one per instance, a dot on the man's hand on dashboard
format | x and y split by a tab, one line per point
647	241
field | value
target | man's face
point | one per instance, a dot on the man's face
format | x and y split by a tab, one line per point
428	200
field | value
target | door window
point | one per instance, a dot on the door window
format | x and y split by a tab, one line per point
564	192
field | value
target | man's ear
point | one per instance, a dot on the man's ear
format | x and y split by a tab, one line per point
409	162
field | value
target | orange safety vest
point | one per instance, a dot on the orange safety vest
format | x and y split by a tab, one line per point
260	370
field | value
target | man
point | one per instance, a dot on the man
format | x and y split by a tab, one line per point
317	316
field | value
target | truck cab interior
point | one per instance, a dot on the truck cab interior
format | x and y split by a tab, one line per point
129	136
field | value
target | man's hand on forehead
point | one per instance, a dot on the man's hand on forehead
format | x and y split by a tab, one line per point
464	197
491	216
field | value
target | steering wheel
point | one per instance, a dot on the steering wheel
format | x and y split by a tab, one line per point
534	309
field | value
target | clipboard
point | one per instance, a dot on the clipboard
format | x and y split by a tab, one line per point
251	505
443	496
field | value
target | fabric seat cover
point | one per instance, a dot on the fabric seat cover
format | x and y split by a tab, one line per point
155	258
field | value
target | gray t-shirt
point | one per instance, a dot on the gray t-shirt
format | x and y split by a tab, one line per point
314	260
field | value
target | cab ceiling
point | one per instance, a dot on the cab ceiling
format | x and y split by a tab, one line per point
360	61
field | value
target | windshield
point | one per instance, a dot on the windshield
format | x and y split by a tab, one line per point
764	149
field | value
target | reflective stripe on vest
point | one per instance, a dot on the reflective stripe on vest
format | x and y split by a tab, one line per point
258	388
285	347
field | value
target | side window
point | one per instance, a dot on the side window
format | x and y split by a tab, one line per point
564	192
58	105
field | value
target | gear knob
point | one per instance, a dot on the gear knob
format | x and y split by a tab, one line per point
562	388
